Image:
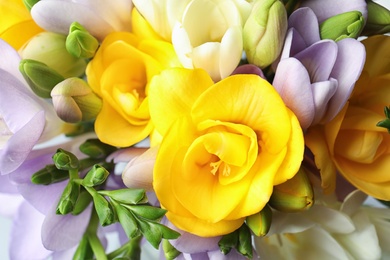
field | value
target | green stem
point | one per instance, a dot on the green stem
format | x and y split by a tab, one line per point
93	239
119	251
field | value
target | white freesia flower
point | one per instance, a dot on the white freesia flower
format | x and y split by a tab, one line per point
99	17
329	230
209	36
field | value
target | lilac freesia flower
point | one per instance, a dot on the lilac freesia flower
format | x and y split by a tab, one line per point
99	17
315	77
25	119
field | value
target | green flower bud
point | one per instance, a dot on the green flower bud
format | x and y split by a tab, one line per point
39	77
96	176
170	252
82	202
65	160
228	241
378	20
293	195
30	3
126	196
80	43
48	175
68	198
74	101
341	26
264	32
104	210
244	246
49	48
260	223
94	148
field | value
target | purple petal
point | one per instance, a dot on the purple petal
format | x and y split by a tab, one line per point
10	60
322	92
293	84
325	9
319	59
62	232
26	234
41	197
347	69
305	22
293	44
10	204
249	69
232	255
6	186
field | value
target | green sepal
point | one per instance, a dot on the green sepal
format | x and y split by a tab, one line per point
40	77
65	160
127	220
84	250
94	148
126	196
81	128
48	175
386	122
244	246
148	212
68	198
104	210
228	241
80	43
95	176
82	202
170	252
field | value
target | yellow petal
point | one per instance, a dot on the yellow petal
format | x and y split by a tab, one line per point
113	129
16	39
172	94
142	28
248	100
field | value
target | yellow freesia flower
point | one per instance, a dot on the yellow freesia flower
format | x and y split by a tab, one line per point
15	18
352	143
120	73
224	147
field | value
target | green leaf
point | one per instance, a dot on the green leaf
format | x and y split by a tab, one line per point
170	252
127	196
168	233
151	232
127	220
148	212
103	209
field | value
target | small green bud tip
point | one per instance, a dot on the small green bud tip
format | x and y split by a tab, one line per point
65	160
39	77
74	101
68	198
341	26
94	148
386	122
80	43
30	3
48	175
260	223
294	195
96	176
170	252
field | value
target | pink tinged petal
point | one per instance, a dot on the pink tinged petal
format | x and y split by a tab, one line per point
325	9
292	82
305	22
57	16
249	69
61	232
26	234
347	69
322	92
319	59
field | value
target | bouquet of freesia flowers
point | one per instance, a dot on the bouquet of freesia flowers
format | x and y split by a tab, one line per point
195	129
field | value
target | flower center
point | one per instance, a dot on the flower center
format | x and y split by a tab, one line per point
216	166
